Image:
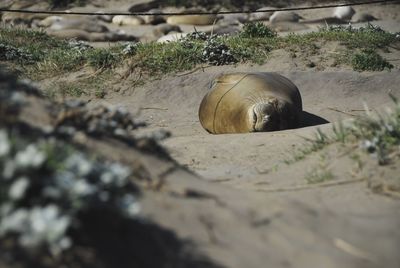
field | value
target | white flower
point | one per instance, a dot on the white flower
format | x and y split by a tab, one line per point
120	132
4	143
16	221
81	188
107	177
367	144
44	225
9	169
30	157
120	173
5	209
78	164
17	97
389	127
65	243
18	188
64	180
129	205
52	192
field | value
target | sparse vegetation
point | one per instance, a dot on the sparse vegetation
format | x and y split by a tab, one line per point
378	135
257	30
102	58
315	144
48	186
318	175
44	56
321	172
369	60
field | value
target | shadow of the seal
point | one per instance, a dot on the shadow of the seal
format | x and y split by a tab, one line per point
309	119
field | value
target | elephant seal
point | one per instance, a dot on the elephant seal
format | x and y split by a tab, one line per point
171	37
260	16
363	17
48	21
344	13
324	21
91	37
127	20
165	28
284	16
153	19
250	102
92	26
23	18
192	19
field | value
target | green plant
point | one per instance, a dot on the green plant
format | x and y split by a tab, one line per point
157	58
320	141
102	58
369	60
50	184
319	175
379	134
340	132
72	90
257	30
100	93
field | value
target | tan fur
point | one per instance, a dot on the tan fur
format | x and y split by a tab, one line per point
284	16
88	25
262	15
127	20
363	17
344	13
249	102
92	37
192	19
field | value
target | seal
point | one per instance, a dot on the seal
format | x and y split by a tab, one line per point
88	25
344	13
250	102
363	17
192	19
91	37
127	20
260	16
171	37
284	16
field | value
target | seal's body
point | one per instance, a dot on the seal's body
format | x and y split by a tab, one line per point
344	12
284	16
250	102
192	19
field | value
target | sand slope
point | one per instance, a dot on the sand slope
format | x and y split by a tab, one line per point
250	208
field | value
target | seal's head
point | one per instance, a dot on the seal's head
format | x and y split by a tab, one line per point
264	116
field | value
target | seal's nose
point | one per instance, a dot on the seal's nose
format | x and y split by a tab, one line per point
266	118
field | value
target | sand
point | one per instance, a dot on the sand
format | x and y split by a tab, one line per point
235	199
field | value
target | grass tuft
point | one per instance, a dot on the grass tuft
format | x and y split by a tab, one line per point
257	30
378	135
318	176
102	58
369	60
